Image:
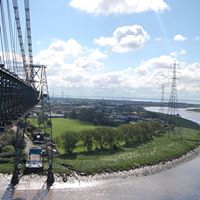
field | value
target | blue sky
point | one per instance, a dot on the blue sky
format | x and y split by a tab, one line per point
117	48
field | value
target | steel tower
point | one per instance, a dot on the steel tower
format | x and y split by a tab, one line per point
162	109
173	100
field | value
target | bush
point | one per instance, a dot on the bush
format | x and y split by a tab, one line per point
8	149
2	161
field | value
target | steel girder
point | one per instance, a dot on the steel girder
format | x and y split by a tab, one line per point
16	97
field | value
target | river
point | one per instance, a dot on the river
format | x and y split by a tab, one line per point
181	182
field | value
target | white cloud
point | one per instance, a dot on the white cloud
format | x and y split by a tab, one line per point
69	63
70	47
179	37
59	50
158	64
107	7
91	61
83	73
132	81
146	79
176	54
157	71
124	39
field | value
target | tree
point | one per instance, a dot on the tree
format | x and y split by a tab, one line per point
87	115
65	114
129	133
98	137
92	116
68	141
110	136
87	138
143	130
147	129
124	133
105	136
13	142
138	137
156	127
73	114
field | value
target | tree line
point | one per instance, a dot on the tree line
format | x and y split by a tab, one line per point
90	115
102	138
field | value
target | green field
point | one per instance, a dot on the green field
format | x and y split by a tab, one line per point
163	148
167	147
61	125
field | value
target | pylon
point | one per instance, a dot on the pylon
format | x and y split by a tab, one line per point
162	109
173	100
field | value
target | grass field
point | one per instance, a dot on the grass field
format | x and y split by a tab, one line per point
62	124
162	148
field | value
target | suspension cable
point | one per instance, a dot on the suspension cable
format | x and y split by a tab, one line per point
11	38
20	38
6	45
2	47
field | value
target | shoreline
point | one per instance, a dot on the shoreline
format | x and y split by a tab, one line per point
75	178
141	171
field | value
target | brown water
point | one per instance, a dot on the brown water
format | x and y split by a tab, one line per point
179	183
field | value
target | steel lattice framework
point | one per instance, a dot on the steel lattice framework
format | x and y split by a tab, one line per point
173	100
162	109
19	94
16	97
40	74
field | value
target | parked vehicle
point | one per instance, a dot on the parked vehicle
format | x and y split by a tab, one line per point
35	160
